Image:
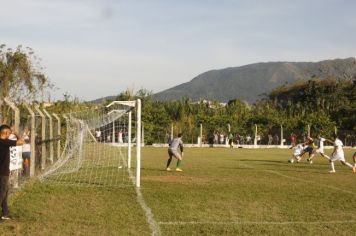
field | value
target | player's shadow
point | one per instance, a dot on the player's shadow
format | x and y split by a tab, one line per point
264	161
152	169
267	162
272	164
270	169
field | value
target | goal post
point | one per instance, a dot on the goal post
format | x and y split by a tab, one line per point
98	146
134	104
138	143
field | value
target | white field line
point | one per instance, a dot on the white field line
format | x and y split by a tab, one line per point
302	180
154	226
256	222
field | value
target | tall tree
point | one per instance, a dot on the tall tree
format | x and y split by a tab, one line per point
21	77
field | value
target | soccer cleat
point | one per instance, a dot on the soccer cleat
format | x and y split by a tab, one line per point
168	169
179	169
331	171
5	217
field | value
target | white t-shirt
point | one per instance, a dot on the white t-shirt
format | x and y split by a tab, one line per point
26	147
338	144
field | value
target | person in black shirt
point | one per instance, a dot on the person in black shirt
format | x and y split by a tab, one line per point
5	144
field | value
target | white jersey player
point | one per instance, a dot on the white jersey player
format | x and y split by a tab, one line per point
338	154
320	144
297	151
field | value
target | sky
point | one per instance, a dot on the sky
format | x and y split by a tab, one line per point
96	48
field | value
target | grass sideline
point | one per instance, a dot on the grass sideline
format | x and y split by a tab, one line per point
220	192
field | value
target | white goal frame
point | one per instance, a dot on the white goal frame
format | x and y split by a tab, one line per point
133	104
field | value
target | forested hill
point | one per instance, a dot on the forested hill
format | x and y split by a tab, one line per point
249	82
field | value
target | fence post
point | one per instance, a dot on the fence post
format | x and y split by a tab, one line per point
17	129
308	130
255	140
282	141
43	137
51	150
58	134
17	113
201	135
171	131
2	118
33	141
67	130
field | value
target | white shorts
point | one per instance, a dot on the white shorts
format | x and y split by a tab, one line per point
338	157
296	154
320	150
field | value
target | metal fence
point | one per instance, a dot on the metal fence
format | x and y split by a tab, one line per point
41	132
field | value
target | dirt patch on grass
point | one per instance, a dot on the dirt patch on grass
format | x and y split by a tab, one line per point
178	179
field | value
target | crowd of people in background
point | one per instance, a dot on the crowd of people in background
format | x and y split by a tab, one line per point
271	139
238	139
121	136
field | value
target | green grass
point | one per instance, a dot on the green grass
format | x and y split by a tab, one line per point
220	192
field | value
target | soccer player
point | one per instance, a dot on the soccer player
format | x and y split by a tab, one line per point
354	158
320	147
5	144
173	152
298	149
310	149
338	154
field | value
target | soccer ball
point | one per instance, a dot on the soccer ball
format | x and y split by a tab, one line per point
291	160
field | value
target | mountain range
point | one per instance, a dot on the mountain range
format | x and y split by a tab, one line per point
250	82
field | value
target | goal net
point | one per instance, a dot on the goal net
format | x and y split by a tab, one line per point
97	149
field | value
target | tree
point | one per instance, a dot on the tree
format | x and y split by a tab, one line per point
21	78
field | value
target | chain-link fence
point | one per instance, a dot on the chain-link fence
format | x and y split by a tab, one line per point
41	136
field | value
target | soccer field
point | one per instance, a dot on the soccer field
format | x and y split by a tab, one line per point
220	192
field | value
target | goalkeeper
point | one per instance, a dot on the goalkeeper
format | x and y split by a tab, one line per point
173	152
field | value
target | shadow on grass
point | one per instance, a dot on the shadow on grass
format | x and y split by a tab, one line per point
153	169
264	162
252	160
291	168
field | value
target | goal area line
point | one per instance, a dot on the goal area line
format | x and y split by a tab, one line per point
255	222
